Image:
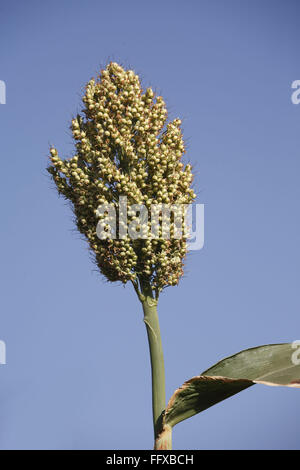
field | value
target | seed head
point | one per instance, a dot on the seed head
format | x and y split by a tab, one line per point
126	147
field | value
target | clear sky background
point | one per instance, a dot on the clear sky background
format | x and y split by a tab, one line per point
78	371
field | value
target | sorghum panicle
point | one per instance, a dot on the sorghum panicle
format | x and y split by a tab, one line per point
125	147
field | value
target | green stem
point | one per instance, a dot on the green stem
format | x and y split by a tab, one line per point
156	355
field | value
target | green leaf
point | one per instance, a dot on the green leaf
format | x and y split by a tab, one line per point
275	364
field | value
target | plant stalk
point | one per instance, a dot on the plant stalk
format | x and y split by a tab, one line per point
156	356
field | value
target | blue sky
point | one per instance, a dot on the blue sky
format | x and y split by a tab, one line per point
78	372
